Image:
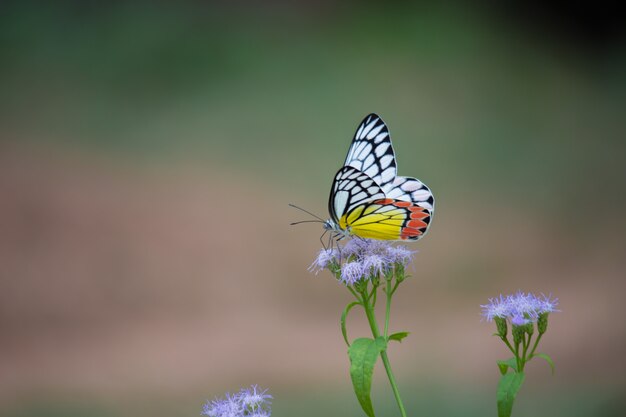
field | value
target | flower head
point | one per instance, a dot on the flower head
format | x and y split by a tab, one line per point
547	304
351	272
361	259
497	307
324	260
248	402
399	254
519	308
253	397
230	406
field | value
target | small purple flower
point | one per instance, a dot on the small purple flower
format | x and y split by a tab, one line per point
547	304
229	406
518	320
362	258
399	254
248	402
519	308
324	259
253	397
497	307
374	264
523	305
358	246
351	272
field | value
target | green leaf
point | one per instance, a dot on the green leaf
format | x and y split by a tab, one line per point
506	364
344	315
398	336
547	359
363	355
508	387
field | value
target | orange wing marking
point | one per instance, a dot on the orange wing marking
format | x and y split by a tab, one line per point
416	226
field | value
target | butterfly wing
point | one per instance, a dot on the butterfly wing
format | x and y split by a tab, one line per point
368	199
412	190
358	204
371	152
351	188
387	219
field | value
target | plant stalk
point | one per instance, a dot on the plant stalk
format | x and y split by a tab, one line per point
369	311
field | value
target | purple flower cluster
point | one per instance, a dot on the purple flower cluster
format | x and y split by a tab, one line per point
362	258
249	402
519	308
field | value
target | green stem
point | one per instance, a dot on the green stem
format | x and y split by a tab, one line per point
392	381
369	311
353	292
374	294
525	344
389	292
506	340
532	352
395	287
517	359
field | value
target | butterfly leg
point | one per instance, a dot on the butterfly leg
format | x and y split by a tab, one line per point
336	237
330	241
322	240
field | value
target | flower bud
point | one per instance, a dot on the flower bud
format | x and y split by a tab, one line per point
399	272
335	268
375	278
501	326
361	285
542	323
389	272
518	333
529	328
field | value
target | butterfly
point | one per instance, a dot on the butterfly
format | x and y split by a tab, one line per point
367	198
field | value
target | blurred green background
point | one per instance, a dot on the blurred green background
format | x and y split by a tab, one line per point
148	152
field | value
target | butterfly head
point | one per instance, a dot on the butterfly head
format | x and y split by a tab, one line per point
331	226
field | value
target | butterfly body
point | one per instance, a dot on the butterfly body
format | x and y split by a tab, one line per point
367	198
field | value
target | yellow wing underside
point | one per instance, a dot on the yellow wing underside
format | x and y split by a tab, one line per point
365	221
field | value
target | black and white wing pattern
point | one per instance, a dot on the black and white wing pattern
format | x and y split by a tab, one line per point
350	189
413	190
371	153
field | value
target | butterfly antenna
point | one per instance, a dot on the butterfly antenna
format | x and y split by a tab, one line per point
306	221
306	211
